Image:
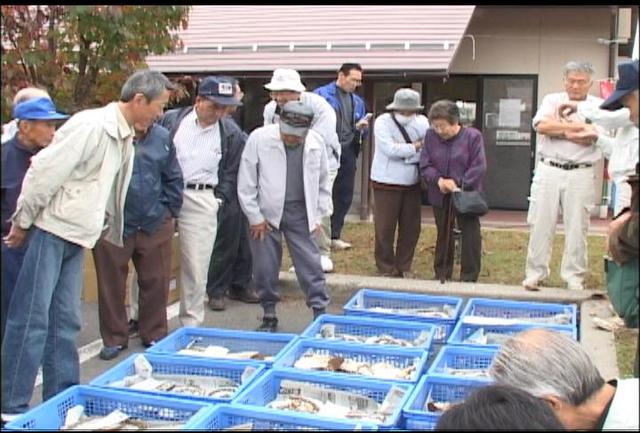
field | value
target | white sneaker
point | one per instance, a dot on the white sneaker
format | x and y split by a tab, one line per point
327	264
338	244
531	285
292	270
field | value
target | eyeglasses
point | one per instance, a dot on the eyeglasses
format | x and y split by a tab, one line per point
580	83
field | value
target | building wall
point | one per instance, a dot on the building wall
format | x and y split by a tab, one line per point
531	40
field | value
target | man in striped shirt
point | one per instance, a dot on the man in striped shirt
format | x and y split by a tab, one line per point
208	147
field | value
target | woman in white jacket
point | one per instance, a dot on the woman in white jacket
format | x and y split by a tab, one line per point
395	180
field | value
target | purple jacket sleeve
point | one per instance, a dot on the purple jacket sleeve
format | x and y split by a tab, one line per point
427	168
477	167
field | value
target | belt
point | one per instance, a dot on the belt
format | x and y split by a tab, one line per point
199	186
566	165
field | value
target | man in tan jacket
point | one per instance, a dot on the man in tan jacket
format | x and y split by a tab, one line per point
74	189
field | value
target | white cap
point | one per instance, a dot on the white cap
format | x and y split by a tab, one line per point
285	79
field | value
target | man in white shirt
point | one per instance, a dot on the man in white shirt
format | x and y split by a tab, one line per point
563	179
204	142
283	190
620	112
286	86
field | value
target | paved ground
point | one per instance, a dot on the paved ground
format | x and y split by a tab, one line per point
295	316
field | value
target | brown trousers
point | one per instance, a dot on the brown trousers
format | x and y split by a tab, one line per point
151	256
396	208
470	248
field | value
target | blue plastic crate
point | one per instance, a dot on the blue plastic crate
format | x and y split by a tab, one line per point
168	364
435	389
462	358
399	358
269	344
50	415
225	415
519	311
369	327
462	331
265	389
365	299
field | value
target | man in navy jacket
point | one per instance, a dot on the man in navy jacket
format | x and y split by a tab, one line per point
351	125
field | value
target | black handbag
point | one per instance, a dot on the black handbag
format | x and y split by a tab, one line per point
470	203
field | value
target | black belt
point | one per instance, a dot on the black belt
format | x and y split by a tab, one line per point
199	186
566	165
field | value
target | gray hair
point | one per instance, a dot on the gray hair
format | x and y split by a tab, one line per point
547	362
576	66
446	110
150	83
29	93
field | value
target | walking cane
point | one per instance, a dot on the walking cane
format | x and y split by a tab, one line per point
449	228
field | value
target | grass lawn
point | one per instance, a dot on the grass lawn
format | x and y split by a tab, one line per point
626	344
503	258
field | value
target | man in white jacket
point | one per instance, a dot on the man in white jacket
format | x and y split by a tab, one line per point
74	189
278	205
286	86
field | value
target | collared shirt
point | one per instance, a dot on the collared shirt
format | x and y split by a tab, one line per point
559	149
16	159
199	150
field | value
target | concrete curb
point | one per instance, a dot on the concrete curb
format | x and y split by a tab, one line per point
599	344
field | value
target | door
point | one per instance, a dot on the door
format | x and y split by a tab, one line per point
507	109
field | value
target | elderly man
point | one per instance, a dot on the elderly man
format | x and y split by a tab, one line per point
286	86
153	201
395	179
36	123
208	146
553	367
73	189
352	124
563	178
230	267
619	111
10	128
283	190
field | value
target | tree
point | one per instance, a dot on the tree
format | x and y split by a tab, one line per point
82	54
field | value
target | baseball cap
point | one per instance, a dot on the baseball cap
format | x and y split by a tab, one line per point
295	118
627	83
219	90
285	79
37	109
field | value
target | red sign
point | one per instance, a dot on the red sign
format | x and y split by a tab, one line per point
606	88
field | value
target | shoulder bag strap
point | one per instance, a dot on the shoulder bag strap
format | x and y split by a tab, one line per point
401	128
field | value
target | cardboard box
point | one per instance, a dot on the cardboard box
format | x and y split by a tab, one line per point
90	290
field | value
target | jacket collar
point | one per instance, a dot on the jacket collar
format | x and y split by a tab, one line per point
115	124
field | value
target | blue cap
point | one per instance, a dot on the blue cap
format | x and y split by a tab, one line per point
627	83
37	109
219	90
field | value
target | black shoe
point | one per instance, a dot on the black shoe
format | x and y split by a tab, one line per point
133	328
148	344
109	352
245	295
318	312
269	324
216	304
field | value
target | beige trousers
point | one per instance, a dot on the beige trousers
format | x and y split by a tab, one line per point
553	188
197	227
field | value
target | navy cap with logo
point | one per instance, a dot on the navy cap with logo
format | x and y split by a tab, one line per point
295	118
627	83
219	90
37	109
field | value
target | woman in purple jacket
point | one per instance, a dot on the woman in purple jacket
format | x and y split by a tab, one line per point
453	157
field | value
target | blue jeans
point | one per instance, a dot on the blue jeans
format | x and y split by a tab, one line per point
11	263
43	322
